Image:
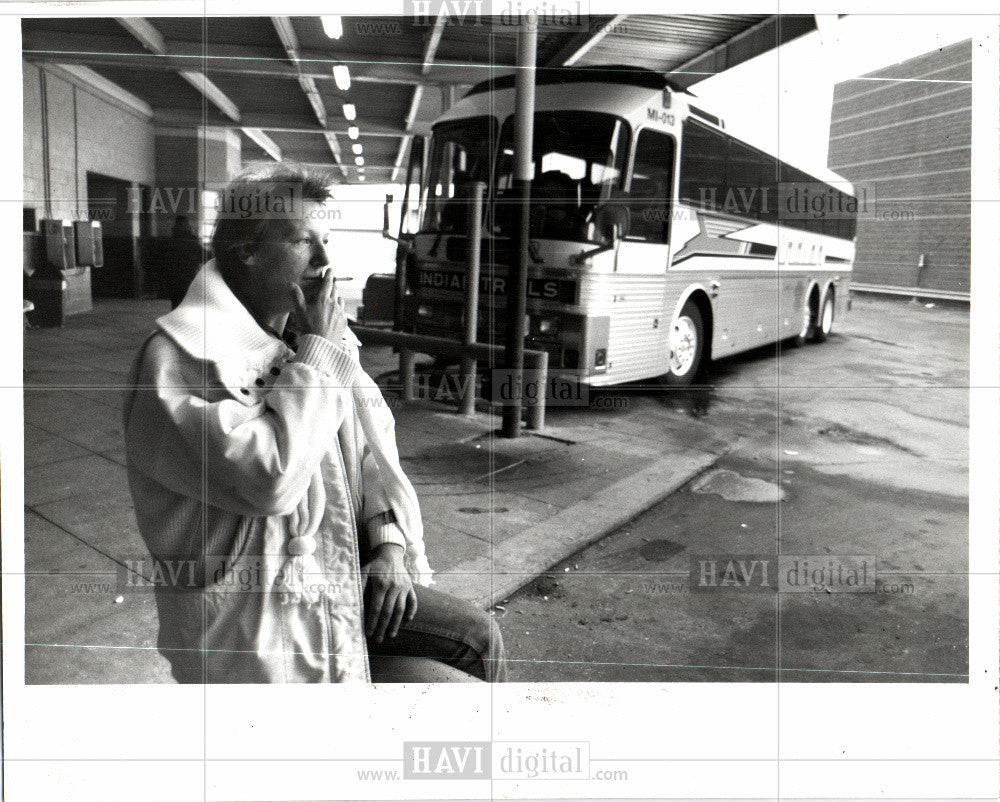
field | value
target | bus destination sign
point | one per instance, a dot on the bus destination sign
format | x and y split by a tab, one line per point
542	289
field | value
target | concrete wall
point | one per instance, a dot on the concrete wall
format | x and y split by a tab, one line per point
909	141
82	129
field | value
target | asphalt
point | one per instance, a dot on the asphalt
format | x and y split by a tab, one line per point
497	512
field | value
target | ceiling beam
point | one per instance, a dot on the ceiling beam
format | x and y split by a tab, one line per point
264	142
434	40
418	91
143	30
286	32
596	37
212	93
103	85
151	39
574	41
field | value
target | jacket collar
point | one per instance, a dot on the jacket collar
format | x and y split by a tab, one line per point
211	324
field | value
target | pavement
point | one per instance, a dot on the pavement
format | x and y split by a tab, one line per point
853	450
497	512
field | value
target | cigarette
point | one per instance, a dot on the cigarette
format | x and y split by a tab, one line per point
343	278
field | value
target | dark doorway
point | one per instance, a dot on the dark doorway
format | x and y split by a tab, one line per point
116	205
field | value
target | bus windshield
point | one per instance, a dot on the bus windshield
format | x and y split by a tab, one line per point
579	161
461	153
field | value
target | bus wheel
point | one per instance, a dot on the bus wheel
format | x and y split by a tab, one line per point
825	323
687	343
808	324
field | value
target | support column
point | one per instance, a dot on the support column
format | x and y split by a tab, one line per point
517	276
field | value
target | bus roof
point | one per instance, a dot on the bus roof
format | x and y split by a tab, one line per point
629	78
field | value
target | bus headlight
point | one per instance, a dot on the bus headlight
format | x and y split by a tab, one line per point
548	325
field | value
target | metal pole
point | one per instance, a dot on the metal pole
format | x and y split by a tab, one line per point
536	413
475	228
401	252
406	359
517	274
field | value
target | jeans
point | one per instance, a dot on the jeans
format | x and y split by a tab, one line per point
457	636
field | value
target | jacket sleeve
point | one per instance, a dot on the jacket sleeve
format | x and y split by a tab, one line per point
376	505
376	494
254	456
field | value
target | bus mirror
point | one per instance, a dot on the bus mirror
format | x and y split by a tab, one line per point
406	245
611	223
385	215
609	226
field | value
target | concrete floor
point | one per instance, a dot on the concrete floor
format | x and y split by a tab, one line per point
854	447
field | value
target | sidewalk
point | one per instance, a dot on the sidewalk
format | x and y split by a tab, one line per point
496	512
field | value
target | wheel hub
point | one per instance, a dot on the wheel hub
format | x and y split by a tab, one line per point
683	345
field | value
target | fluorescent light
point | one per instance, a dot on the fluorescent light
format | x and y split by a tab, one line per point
356	147
359	160
349	111
333	26
361	178
353	132
342	77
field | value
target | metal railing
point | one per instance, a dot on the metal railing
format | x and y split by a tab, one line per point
410	345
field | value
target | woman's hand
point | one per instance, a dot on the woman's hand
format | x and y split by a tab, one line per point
389	594
323	314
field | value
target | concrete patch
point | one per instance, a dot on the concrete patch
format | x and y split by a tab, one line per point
734	487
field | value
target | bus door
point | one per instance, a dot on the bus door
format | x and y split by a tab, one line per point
645	247
644	253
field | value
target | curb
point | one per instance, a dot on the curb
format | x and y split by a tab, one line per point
518	560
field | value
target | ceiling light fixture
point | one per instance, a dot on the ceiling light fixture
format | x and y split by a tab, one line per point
342	77
356	147
333	26
353	132
350	112
359	160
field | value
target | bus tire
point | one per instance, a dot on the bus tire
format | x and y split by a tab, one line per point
824	322
687	346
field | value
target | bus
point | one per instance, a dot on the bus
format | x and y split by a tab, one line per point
658	241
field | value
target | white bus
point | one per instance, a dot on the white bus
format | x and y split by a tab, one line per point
657	240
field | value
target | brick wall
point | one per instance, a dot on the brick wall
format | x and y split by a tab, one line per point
909	140
34	181
86	130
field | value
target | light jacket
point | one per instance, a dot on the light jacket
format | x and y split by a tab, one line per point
234	445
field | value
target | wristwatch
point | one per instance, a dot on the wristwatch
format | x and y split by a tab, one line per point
383	518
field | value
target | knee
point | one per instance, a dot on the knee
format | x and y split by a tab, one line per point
486	641
494	657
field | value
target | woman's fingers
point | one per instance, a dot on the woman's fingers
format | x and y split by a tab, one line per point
397	616
390	603
299	300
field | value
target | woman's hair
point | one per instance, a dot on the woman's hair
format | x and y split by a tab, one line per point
260	202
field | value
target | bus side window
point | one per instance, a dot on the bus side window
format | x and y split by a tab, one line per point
652	182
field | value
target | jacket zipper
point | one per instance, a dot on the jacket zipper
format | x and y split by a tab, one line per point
356	560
